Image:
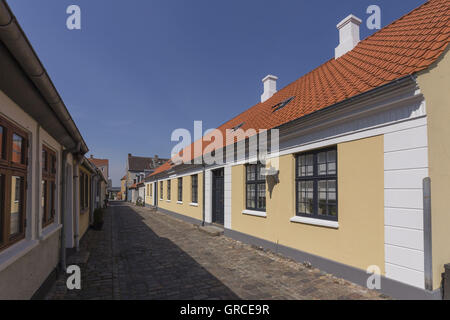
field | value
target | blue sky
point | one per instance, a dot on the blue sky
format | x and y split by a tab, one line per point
137	69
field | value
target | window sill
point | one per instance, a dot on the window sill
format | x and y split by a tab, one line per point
255	213
168	201
316	222
179	202
193	204
48	231
15	252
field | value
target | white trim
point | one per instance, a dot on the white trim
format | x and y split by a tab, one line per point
255	213
316	222
168	201
405	166
15	252
208	196
193	204
179	202
47	232
227	196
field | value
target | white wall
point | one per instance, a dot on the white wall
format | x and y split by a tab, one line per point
405	167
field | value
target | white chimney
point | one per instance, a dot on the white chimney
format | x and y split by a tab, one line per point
348	35
270	87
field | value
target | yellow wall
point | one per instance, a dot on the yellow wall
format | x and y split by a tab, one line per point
185	208
359	241
84	215
434	84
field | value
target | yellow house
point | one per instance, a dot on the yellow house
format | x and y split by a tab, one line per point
358	171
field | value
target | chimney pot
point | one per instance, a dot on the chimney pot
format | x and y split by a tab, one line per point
129	155
270	87
348	35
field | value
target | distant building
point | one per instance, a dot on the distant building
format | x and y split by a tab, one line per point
103	165
137	169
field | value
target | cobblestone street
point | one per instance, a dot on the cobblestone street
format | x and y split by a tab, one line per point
143	254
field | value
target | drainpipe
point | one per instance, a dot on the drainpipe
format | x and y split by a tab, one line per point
427	234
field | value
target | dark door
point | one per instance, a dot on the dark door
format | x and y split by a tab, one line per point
218	193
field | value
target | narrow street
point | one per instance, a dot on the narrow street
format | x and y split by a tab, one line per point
144	254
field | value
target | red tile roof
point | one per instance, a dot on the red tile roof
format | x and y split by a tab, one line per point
405	47
99	162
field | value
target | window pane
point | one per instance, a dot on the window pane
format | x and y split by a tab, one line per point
17	156
53	164
306	165
52	201
251	201
331	159
332	190
44	160
305	196
261	196
331	156
251	172
1	144
16	205
260	176
322	192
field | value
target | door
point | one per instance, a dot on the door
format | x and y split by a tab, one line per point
218	193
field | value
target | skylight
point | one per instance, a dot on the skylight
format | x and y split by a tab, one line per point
281	105
238	126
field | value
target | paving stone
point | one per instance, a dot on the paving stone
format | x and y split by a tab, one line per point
144	254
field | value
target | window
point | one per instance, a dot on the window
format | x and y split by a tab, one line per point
194	186
316	184
13	173
168	189
256	188
48	186
161	190
180	189
150	188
